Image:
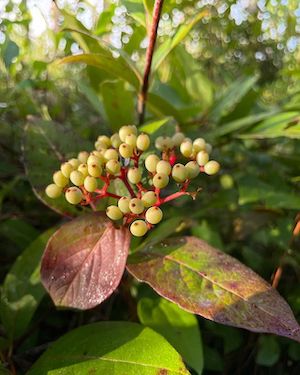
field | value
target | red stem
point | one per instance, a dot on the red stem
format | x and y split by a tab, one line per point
123	177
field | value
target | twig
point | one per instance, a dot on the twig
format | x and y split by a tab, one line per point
149	55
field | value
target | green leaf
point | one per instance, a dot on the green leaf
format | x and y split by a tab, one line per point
153	126
92	97
9	52
205	231
118	67
136	10
118	103
179	327
268	351
161	106
18	231
22	290
200	89
110	348
208	282
166	47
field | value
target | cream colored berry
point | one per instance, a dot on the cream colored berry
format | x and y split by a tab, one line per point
199	144
74	195
125	131
123	204
105	140
83	156
125	150
149	198
115	140
93	159
163	166
178	138
83	168
164	143
60	179
77	178
111	154
138	228
53	191
179	173
160	180
131	140
136	206
99	146
186	148
143	142
134	175
212	167
193	169
114	213
90	184
94	170
154	215
66	169
74	162
202	158
151	162
113	167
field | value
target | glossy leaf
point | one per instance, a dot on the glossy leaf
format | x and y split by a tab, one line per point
110	348
18	231
46	146
22	290
208	282
179	327
84	261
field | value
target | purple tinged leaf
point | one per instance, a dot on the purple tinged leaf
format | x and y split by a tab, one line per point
210	283
84	261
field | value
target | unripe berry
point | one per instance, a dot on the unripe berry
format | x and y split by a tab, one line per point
94	170
111	154
124	131
134	129
186	148
136	206
193	169
113	167
199	144
94	160
114	213
83	156
123	204
208	148
212	167
143	142
115	140
178	138
66	169
179	173
164	143
99	154
134	175
59	179
105	140
131	140
99	146
138	228
83	168
53	191
90	184
151	163
77	178
149	198
163	167
125	150
74	162
74	195
202	158
154	215
160	180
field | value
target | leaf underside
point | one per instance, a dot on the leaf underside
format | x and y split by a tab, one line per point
205	281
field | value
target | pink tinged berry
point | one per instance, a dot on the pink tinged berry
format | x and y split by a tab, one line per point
53	191
154	215
138	228
74	195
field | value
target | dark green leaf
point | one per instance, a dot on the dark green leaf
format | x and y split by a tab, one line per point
268	351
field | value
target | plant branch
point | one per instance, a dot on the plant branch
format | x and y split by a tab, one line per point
149	55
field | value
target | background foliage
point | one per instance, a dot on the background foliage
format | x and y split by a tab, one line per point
227	71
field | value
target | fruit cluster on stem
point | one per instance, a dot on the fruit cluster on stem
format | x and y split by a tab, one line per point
123	156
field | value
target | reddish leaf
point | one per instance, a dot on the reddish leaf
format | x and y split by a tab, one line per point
205	281
84	261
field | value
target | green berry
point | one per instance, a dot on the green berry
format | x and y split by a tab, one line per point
160	180
193	169
77	178
123	204
105	140
53	191
138	228
83	156
74	162
202	158
178	138
199	144
212	167
113	167
94	170
93	159
115	140
149	198
125	150
131	140
136	206
90	184
151	163
83	168
186	148
143	142
154	215
134	175
66	169
74	195
179	173
124	131
163	167
114	213
60	179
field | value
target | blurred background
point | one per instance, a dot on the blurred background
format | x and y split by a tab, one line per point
224	70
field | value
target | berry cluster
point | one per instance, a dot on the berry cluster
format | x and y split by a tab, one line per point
122	156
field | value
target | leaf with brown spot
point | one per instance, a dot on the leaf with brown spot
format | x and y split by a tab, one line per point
205	281
84	261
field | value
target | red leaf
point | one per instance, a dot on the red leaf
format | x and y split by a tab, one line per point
84	261
205	281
